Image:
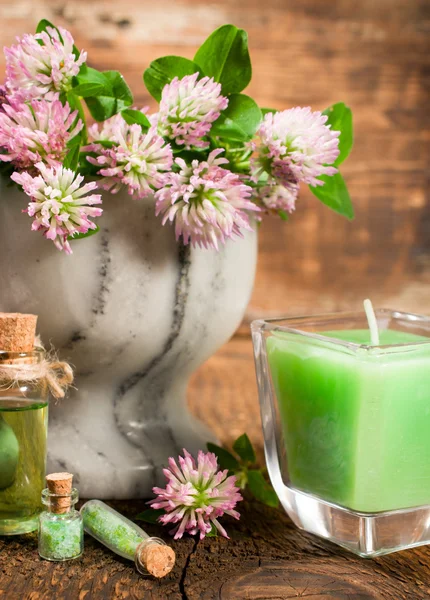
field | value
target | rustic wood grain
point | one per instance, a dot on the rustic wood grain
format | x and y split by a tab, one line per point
372	55
267	558
227	385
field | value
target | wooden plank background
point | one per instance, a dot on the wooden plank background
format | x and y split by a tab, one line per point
373	55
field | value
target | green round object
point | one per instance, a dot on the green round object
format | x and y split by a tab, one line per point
9	454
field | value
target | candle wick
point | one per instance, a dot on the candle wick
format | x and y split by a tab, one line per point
371	320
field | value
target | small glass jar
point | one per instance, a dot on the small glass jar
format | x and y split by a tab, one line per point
346	426
61	535
23	435
120	535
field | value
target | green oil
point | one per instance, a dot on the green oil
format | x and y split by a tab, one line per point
23	433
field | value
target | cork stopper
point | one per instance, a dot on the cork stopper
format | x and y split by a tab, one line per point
60	484
17	332
157	559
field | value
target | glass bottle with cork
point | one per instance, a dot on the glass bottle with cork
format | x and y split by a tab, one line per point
61	532
151	555
23	424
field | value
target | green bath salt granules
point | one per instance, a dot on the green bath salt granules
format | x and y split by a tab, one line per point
61	532
125	538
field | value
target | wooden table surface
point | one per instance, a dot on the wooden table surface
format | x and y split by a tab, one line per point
374	56
267	558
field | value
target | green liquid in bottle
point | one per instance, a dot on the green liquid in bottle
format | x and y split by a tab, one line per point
23	433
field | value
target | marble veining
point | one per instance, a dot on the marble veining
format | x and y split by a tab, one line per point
178	313
136	313
140	434
104	275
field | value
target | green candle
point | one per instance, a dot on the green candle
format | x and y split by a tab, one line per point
355	419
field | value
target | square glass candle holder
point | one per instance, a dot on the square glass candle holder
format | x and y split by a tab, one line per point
347	426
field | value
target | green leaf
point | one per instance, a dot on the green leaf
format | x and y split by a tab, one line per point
132	117
90	75
91	82
121	91
102	107
75	141
188	155
85	90
71	160
261	489
106	143
81	236
284	215
44	24
228	130
243	447
334	194
72	157
83	69
226	460
115	97
74	102
213	532
164	69
150	515
240	120
241	478
340	119
86	168
265	111
225	57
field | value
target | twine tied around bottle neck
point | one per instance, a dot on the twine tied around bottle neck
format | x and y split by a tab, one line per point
58	375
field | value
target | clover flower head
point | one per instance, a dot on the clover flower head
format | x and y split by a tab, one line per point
60	205
110	129
134	159
280	197
197	494
36	131
295	145
4	96
188	107
208	203
42	63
